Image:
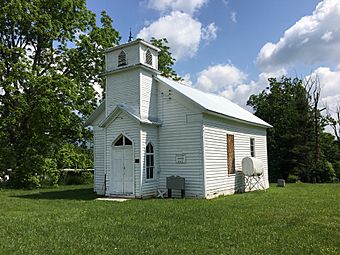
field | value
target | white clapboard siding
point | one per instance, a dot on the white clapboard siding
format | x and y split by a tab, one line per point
154	53
99	174
132	57
180	134
99	155
148	96
215	130
123	87
125	125
149	133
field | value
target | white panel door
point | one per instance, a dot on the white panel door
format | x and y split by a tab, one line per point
128	170
117	171
122	170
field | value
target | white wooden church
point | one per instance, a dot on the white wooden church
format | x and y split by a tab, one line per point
150	127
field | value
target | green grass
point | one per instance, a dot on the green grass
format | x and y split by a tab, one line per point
298	219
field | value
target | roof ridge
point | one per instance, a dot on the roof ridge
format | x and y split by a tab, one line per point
209	93
215	103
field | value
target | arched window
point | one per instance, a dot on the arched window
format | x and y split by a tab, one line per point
148	58
150	161
122	141
122	58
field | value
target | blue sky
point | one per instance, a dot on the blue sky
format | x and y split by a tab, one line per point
231	47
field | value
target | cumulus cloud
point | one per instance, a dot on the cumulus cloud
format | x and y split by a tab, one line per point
177	24
209	32
330	89
240	93
313	39
186	80
187	6
230	82
182	31
217	78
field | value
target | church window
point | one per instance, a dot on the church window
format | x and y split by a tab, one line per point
148	58
150	161
122	59
122	141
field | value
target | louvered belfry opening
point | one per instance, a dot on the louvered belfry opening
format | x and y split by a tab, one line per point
148	58
122	58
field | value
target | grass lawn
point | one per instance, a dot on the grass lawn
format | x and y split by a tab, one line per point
297	219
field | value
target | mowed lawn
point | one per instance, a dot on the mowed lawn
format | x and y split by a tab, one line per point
297	219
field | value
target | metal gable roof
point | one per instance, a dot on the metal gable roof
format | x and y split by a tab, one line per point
214	103
95	114
126	109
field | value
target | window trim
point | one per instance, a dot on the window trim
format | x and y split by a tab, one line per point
152	154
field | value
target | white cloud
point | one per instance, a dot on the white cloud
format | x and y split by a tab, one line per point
330	89
187	6
219	77
313	39
233	17
230	82
178	25
182	31
209	32
187	80
226	2
99	91
240	94
327	36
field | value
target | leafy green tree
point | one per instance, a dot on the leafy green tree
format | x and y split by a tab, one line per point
51	55
165	59
74	157
285	105
51	52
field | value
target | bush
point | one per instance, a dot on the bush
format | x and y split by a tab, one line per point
336	167
293	178
76	177
323	172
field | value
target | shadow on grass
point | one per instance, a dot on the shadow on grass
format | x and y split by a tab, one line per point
76	194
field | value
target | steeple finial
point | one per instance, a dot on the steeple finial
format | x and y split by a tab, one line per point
130	36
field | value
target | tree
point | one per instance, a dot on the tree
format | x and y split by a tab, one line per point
285	105
298	148
50	57
165	59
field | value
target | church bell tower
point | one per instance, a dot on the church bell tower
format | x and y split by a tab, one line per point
129	77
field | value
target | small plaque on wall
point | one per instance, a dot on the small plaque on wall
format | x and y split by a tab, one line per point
180	158
137	160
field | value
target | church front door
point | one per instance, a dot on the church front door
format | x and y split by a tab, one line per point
122	167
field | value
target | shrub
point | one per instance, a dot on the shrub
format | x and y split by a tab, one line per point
76	177
336	167
323	172
293	178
